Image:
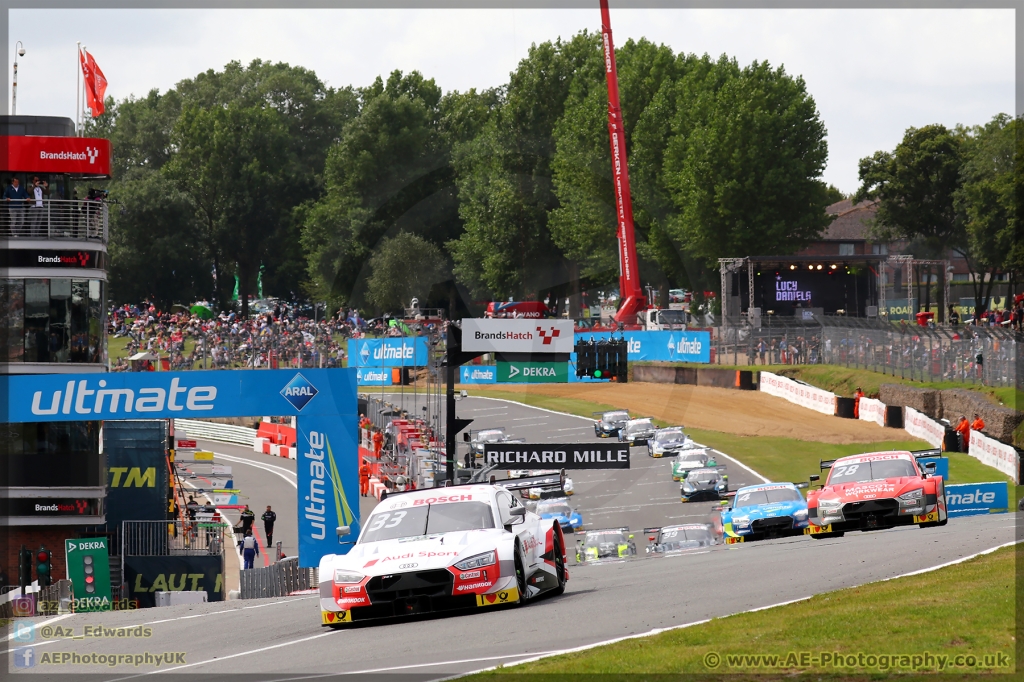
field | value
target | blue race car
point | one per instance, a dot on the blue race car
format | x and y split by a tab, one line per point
767	510
558	508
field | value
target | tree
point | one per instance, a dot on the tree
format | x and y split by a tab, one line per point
986	201
743	166
390	172
154	248
403	267
233	164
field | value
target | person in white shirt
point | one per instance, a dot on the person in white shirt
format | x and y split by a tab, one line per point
36	227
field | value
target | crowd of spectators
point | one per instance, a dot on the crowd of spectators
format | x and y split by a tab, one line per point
278	336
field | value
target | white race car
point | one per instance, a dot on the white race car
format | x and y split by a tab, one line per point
441	549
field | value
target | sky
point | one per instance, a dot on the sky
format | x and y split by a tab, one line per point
872	73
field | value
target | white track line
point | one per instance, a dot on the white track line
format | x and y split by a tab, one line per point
276	470
537	657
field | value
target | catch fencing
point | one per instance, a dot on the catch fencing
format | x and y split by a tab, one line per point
964	354
171	538
277	580
224	433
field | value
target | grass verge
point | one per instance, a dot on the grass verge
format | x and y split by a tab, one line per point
919	613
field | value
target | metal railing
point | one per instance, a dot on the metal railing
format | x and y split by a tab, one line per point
57	219
223	433
171	538
277	580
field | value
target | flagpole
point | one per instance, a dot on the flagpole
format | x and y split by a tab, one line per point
78	87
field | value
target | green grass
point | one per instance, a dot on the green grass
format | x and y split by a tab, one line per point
964	609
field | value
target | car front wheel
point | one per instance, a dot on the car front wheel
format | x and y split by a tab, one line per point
520	575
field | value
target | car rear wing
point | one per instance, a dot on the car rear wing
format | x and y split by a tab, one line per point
623	529
556	481
920	454
826	464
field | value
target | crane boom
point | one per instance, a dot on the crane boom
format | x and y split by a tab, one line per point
630	291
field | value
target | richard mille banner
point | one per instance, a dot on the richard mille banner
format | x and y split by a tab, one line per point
548	456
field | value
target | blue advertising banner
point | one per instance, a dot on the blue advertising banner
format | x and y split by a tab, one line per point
662	346
478	374
324	400
406	351
970	499
373	377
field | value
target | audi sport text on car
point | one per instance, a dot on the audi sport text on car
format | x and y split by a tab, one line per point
875	490
637	431
440	549
610	423
768	510
667	441
676	540
704	484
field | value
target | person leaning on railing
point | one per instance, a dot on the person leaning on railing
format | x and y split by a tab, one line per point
16	199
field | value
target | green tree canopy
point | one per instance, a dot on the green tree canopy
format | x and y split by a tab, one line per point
403	267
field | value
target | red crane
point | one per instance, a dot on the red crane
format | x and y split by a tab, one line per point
630	291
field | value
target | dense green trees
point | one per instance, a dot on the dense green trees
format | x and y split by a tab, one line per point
369	196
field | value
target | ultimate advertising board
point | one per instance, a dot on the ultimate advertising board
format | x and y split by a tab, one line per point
970	499
478	374
366	376
660	346
324	400
398	351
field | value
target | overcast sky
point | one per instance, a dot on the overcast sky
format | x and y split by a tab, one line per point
873	73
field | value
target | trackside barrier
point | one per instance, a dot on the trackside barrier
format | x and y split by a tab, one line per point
871	410
276	434
797	392
1000	456
277	580
920	425
225	433
970	499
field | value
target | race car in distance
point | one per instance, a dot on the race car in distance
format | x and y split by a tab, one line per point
704	484
765	510
690	458
556	486
637	431
478	439
439	549
607	543
875	490
610	423
676	540
666	441
558	508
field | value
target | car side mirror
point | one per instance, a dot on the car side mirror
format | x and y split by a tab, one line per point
517	511
814	478
930	467
630	537
725	477
343	530
465	437
463	394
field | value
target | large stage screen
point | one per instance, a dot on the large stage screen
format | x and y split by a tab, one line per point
785	290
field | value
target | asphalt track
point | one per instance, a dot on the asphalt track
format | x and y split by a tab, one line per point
282	638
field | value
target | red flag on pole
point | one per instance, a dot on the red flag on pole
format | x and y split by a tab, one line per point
95	84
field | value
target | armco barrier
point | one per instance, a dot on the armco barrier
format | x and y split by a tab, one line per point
999	456
920	425
871	410
225	433
276	580
805	395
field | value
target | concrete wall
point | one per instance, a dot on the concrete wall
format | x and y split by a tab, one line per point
694	376
1000	422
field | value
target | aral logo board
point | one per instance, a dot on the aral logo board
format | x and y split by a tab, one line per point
487	335
533	372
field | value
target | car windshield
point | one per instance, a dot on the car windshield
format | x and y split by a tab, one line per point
875	470
636	427
553	508
680	538
615	416
616	537
703	475
489	436
692	459
427	520
756	497
671	316
669	436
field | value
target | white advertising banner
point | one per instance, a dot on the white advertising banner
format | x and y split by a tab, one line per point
871	410
995	454
811	397
487	335
920	425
